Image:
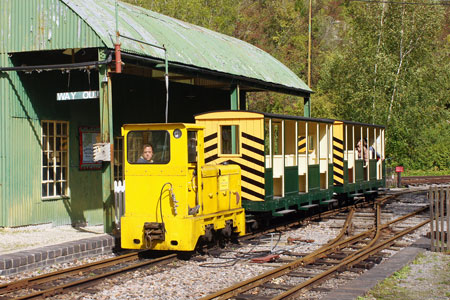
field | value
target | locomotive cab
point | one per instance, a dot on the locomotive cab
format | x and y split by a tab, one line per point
172	198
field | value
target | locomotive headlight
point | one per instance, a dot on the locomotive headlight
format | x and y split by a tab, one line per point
177	133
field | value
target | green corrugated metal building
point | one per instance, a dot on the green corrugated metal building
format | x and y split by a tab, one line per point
59	46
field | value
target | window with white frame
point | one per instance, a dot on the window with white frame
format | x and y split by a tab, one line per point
118	159
55	158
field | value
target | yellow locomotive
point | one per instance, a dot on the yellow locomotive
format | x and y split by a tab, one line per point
289	164
173	199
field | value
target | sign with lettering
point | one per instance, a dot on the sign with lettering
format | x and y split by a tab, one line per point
82	95
399	169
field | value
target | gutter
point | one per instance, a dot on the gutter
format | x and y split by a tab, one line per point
220	75
62	67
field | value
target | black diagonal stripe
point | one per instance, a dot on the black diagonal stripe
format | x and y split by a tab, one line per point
253	138
252	182
247	169
210	148
338	166
211	158
338	183
340	150
303	146
253	149
210	137
341	159
250	192
253	160
339	175
335	139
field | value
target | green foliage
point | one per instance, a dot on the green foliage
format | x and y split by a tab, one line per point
389	72
380	63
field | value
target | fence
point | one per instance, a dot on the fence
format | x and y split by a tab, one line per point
119	200
439	197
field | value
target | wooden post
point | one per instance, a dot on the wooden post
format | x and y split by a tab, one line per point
106	134
431	199
234	105
442	231
447	203
307	107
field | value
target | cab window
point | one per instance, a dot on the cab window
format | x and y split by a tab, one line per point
192	146
148	147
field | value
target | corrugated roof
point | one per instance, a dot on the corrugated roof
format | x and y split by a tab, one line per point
39	25
185	43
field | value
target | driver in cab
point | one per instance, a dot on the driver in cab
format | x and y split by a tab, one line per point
147	155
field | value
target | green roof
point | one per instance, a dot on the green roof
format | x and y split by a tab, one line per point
186	43
37	25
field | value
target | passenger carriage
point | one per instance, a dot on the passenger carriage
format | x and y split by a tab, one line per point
357	173
292	163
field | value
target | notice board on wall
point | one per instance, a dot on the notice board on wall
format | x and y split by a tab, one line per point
88	137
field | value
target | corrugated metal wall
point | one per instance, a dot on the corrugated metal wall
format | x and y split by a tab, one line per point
44	25
32	25
4	109
25	100
3	115
18	143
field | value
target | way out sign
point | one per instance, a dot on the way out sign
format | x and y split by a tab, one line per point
82	95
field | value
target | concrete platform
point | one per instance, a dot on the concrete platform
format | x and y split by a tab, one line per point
361	285
28	259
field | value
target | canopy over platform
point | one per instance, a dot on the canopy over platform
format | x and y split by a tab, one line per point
65	24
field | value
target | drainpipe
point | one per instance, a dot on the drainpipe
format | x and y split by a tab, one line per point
61	67
117	44
166	77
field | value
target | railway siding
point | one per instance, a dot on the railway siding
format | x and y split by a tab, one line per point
191	280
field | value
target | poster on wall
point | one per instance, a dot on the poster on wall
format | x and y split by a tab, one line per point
88	137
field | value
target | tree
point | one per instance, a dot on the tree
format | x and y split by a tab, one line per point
386	73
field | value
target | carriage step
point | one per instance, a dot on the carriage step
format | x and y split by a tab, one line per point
356	195
306	207
286	211
281	213
326	202
371	192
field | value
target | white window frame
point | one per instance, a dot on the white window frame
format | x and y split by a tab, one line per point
57	160
119	172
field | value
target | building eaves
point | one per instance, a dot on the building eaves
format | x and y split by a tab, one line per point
186	44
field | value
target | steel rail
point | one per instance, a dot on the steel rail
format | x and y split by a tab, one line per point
321	215
348	262
251	283
8	287
321	252
90	280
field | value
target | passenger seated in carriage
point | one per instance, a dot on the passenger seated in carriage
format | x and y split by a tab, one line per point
365	152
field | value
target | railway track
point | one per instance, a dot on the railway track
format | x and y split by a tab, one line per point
422	180
338	255
327	214
82	276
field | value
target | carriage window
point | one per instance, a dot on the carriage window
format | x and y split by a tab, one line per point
229	139
192	146
148	147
